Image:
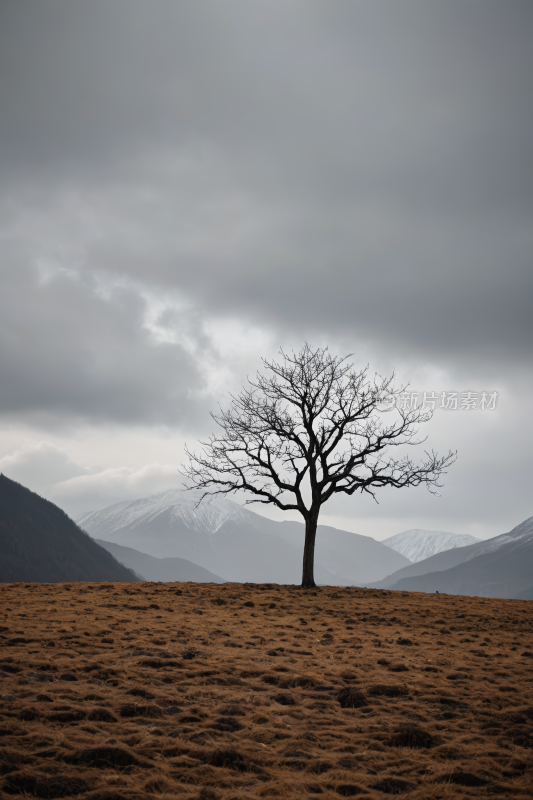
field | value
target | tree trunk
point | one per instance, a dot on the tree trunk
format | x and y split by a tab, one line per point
308	572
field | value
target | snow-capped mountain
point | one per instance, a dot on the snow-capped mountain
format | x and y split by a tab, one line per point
519	535
497	567
416	544
501	567
236	543
205	517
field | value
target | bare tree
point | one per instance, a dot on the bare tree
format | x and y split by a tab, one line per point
309	428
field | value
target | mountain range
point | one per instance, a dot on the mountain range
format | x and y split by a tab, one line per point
237	544
417	545
173	537
497	567
233	543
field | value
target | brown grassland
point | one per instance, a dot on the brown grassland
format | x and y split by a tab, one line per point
207	691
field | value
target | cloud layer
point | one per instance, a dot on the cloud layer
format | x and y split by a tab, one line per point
185	188
48	470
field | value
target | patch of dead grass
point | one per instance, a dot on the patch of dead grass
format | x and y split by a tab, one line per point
269	692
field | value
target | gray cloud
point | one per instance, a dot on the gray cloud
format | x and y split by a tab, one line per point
68	352
390	145
40	465
179	177
48	470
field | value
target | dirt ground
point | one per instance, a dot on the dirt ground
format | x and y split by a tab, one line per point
208	691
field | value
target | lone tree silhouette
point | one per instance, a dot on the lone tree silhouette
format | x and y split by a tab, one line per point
310	427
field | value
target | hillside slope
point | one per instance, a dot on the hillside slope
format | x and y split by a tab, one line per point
452	558
159	569
498	567
40	543
236	543
502	572
417	545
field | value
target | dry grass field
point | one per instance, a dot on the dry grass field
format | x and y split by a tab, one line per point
112	691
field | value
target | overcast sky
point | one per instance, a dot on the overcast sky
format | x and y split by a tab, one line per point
187	186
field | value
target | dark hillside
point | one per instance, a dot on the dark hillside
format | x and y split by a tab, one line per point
504	572
40	543
497	567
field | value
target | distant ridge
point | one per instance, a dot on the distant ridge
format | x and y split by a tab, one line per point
417	544
40	543
160	569
497	567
